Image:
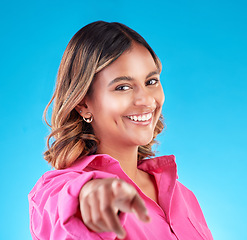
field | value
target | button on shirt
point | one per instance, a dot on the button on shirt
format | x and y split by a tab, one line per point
55	213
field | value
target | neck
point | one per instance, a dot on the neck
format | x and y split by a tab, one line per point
126	157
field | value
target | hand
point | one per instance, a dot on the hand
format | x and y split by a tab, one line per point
100	201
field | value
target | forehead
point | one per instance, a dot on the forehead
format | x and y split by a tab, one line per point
136	62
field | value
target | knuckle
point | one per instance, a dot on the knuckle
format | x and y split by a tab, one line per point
90	197
86	199
102	188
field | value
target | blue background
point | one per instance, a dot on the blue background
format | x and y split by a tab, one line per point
202	45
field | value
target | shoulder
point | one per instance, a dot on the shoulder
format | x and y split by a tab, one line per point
53	202
186	209
190	202
73	177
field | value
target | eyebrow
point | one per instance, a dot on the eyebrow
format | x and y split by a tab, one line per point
128	78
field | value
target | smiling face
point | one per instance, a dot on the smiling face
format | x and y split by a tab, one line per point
126	100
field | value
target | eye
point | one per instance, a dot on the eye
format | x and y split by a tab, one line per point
153	81
122	88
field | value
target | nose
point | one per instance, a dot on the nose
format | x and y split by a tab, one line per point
144	98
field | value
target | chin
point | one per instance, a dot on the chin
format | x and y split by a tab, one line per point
145	141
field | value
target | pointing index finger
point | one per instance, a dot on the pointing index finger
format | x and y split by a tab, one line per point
139	208
128	200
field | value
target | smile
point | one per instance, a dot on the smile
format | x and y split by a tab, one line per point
140	118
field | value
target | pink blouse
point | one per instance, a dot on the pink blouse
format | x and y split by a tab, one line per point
55	214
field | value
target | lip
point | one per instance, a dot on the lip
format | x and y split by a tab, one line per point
140	113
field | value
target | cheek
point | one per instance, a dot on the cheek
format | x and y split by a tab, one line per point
110	106
117	105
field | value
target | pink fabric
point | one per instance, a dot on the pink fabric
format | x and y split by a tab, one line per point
54	206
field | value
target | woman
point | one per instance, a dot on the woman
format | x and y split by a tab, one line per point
106	115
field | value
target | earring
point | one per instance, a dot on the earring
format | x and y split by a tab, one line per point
80	111
90	119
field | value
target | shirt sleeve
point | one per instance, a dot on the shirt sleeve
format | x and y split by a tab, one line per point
54	206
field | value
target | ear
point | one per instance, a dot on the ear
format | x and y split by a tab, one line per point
82	108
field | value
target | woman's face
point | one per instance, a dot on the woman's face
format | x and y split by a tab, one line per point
126	100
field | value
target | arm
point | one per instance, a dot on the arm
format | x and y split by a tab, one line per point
54	205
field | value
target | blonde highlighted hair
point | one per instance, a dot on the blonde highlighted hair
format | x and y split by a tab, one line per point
91	49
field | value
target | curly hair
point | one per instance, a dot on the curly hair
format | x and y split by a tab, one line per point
91	49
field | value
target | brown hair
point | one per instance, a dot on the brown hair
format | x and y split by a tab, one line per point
91	49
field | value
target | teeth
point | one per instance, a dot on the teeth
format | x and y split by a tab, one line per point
141	118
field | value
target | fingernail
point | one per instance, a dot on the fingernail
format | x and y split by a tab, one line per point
118	185
147	218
